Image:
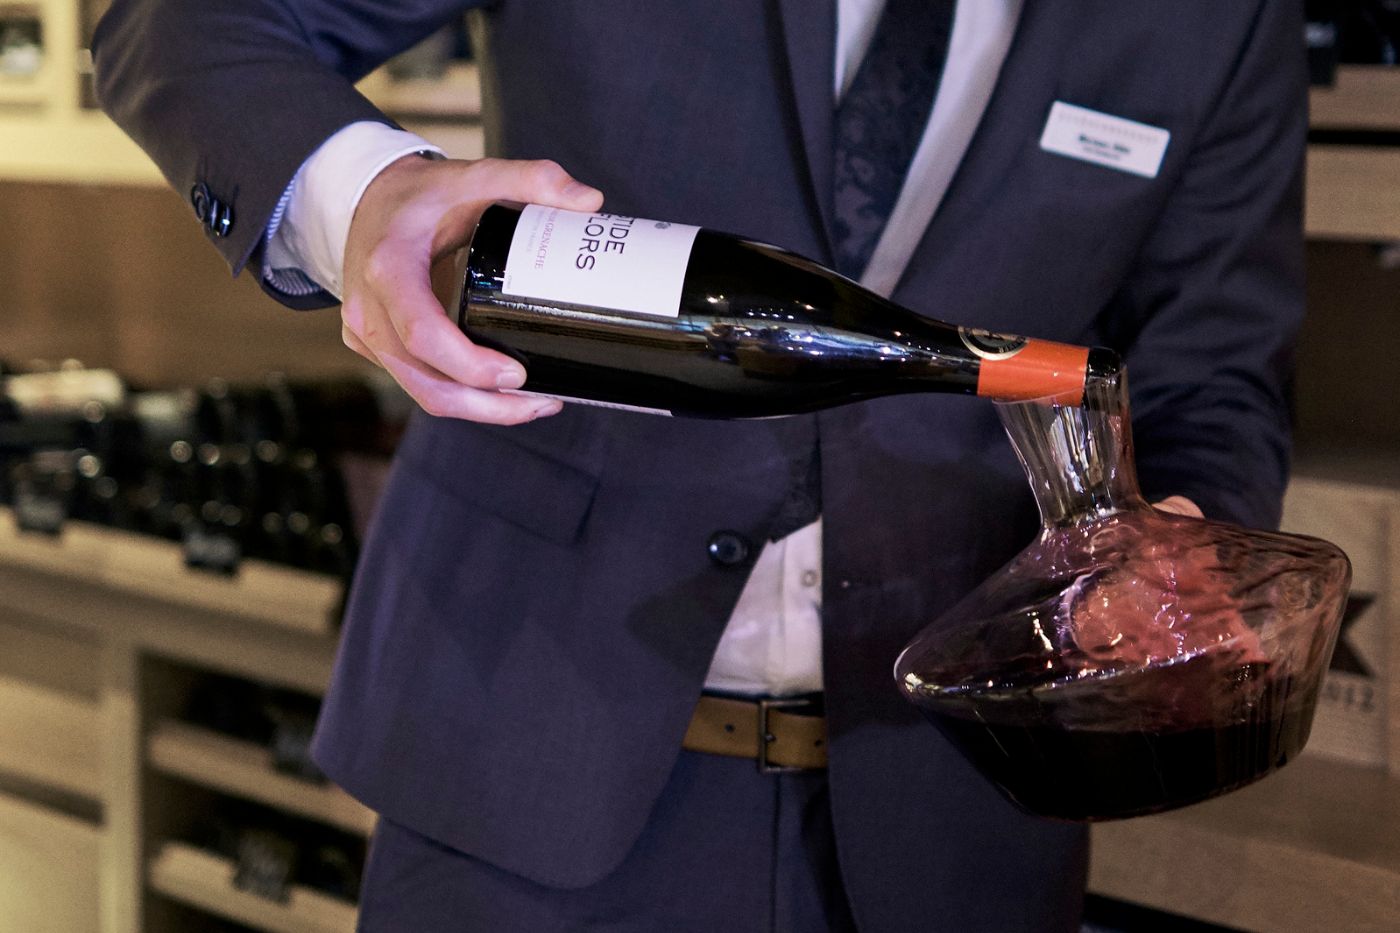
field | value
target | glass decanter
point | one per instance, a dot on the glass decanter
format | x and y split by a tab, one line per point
1128	661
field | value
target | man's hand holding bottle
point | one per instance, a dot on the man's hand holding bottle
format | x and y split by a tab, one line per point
412	219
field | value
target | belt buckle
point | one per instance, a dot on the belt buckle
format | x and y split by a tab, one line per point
766	738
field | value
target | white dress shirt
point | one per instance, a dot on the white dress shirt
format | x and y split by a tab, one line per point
772	642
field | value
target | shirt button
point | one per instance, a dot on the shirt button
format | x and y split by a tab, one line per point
810	578
728	548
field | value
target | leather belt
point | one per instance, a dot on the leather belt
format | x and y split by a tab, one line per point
782	735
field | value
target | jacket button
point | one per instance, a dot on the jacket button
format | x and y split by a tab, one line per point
199	198
220	218
728	548
216	216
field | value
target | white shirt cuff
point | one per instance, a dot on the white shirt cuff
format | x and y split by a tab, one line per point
307	231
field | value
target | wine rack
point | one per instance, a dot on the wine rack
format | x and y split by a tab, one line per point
216	847
244	769
51	777
102	774
150	568
51	864
50	738
198	878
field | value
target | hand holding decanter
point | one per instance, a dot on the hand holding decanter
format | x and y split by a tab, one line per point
1128	661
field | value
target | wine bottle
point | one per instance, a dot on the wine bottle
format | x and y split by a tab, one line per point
674	319
1368	32
1320	34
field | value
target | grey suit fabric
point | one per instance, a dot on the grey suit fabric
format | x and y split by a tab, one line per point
535	612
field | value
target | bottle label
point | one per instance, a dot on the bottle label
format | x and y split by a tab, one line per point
989	345
601	260
1037	369
570	400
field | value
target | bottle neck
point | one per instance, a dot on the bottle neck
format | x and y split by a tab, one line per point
1079	459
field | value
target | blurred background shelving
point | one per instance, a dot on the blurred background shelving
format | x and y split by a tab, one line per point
51	129
110	761
1354	181
137	735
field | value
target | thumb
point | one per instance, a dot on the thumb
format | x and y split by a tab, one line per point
541	181
1180	505
474	185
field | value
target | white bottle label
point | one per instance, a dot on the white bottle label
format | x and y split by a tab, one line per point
603	260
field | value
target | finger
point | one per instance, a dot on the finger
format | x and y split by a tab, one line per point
436	341
1180	505
540	181
439	395
352	340
443	398
397	273
398	277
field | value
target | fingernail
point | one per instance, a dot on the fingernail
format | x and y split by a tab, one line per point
547	409
510	379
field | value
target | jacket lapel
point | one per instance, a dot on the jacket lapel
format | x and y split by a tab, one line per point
1012	121
808	29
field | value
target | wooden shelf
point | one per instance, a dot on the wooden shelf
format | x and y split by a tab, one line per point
72	147
204	880
1353	192
51	137
1312	847
50	737
152	567
245	770
1326	461
1365	97
49	871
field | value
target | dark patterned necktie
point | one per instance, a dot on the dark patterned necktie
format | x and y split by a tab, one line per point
881	119
879	123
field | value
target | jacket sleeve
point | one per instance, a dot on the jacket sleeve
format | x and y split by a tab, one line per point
1211	312
229	97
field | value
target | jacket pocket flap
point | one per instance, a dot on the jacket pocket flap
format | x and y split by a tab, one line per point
515	483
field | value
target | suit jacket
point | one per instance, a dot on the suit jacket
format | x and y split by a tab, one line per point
535	609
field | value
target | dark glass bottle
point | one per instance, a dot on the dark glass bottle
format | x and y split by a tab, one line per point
1368	31
634	313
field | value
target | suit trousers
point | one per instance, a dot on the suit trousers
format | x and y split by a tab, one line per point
727	848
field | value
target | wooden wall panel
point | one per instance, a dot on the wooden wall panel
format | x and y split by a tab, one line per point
123	277
1348	389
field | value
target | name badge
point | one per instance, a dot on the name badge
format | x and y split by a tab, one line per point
1101	138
